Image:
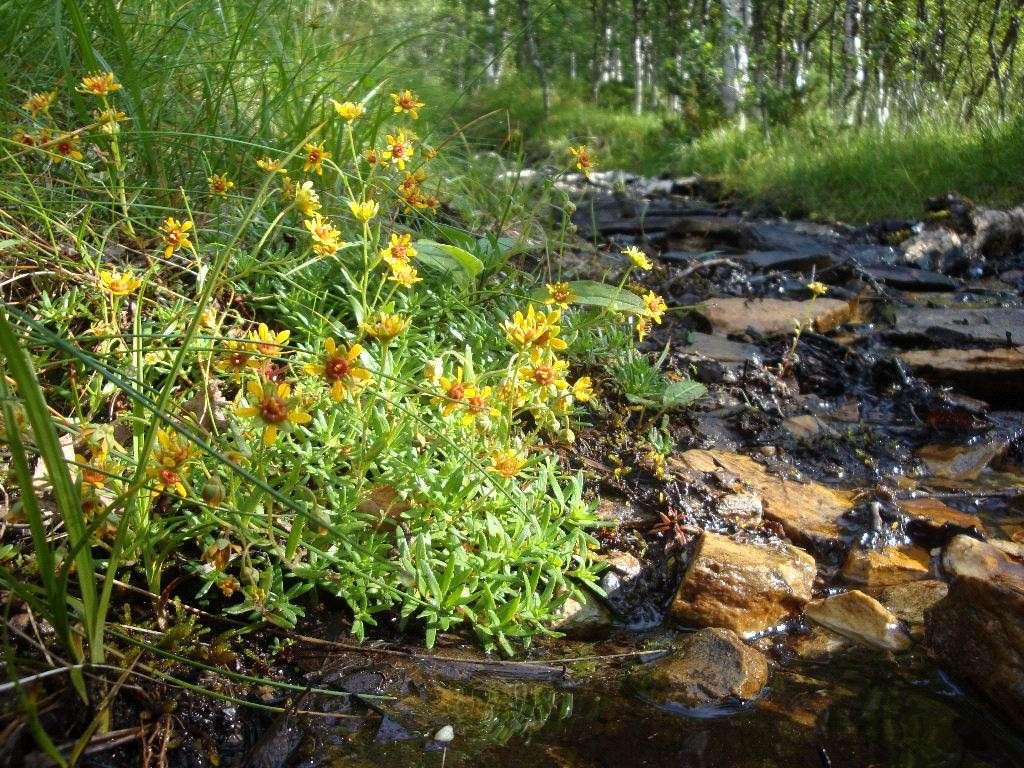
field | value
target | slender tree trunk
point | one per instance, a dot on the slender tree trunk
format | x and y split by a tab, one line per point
638	57
533	52
493	43
734	60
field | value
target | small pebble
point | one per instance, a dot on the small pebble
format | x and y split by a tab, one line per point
444	734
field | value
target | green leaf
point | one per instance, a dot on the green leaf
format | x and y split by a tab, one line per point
449	259
594	294
679	394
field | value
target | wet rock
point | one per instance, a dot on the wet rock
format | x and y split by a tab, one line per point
744	587
623	584
998	233
586	618
814	258
620	215
720	349
934	517
937	249
712	666
957	327
810	513
959	462
859	617
908	602
909	278
806	427
885	567
968	557
774	317
994	375
819	643
743	509
977	632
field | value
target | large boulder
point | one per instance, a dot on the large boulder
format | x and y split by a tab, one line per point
745	587
859	617
712	666
977	632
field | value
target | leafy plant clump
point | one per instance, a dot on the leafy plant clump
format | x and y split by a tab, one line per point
296	377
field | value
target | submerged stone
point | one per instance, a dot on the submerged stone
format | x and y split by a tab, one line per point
744	587
909	601
712	666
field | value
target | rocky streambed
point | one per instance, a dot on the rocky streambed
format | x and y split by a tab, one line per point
826	569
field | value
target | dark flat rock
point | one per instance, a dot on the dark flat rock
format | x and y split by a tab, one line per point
910	279
801	260
953	327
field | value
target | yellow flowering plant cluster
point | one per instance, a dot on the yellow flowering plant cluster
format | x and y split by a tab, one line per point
314	381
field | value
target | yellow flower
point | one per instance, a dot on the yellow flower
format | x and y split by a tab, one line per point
584	162
477	406
109	118
399	250
637	258
546	373
171	457
339	366
643	327
399	150
220	184
270	165
364	210
237	357
306	198
26	139
404	274
326	239
512	393
274	406
175	235
453	392
535	330
371	156
583	389
38	103
66	147
386	326
817	289
655	305
348	110
560	294
268	343
508	463
120	283
99	84
315	156
406	101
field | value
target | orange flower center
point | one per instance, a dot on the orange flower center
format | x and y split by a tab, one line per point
337	368
544	375
273	409
398	151
456	392
315	156
168	477
476	403
407	102
65	147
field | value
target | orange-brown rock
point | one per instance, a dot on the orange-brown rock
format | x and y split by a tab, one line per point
935	514
885	567
994	375
809	512
744	587
775	317
859	617
959	462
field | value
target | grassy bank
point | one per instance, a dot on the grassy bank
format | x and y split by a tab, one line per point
813	167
